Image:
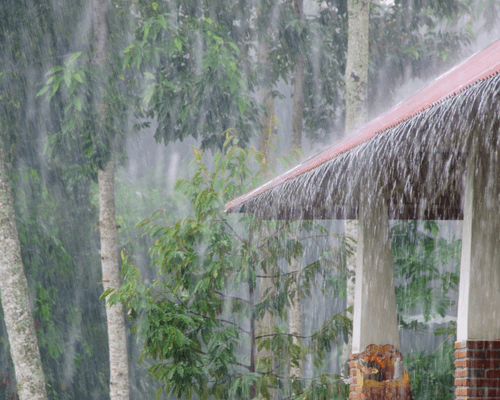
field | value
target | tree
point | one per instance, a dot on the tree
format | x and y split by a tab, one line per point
15	299
89	125
198	56
356	75
117	337
298	89
295	318
54	239
199	317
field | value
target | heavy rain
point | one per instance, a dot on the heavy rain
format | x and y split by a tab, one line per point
249	199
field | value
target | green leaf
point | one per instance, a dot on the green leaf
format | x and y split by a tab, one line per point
234	47
241	105
146	34
78	77
163	22
43	90
106	293
148	94
75	56
77	103
55	69
178	44
67	77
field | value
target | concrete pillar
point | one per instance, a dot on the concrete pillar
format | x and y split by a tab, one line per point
479	296
375	319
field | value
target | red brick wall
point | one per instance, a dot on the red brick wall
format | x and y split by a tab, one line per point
477	370
352	386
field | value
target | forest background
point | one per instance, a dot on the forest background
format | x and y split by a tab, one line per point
183	73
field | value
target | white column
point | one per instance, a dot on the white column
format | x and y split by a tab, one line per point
479	296
375	319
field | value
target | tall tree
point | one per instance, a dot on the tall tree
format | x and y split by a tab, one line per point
199	319
295	317
15	300
266	99
298	88
117	337
356	74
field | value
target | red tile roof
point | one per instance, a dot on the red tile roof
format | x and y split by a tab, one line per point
481	65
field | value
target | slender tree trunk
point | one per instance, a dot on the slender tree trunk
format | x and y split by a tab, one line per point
298	103
117	337
356	74
356	78
295	318
253	347
266	324
266	140
267	121
15	300
298	90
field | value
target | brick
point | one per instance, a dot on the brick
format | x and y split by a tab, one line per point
475	398
352	388
352	395
492	354
470	373
484	382
492	392
353	357
353	364
469	354
352	372
477	363
354	380
469	392
493	373
459	345
474	344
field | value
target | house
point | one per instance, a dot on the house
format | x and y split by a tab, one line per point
433	156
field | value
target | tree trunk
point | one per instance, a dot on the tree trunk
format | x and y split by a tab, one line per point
298	103
356	74
117	337
356	78
15	300
298	90
267	121
267	323
295	318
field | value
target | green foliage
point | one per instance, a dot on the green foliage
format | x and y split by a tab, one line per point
432	376
419	256
199	85
48	248
426	268
53	222
94	116
415	39
198	318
